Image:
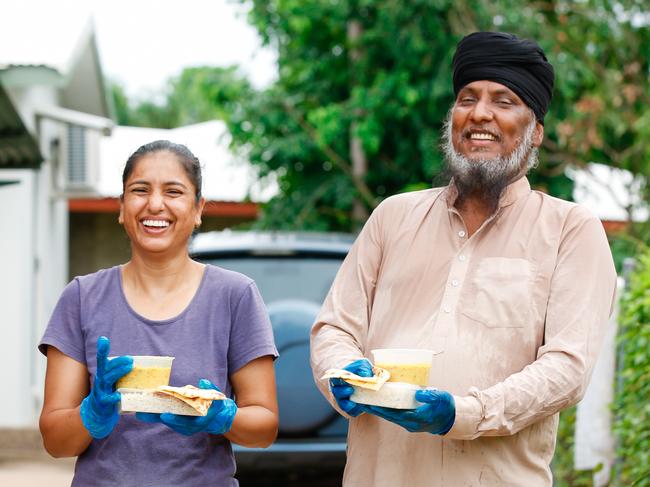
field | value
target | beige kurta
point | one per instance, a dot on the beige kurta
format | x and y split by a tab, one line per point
515	315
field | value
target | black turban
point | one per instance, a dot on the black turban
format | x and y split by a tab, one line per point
519	64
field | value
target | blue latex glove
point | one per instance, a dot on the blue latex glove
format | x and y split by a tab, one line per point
217	421
436	416
99	412
342	391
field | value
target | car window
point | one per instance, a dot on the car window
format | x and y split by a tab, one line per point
278	278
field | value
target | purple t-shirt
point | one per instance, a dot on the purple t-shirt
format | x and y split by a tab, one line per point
224	327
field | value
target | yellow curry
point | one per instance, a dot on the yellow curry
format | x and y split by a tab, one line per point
145	378
417	374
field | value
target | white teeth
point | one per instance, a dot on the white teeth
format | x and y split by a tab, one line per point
482	136
155	223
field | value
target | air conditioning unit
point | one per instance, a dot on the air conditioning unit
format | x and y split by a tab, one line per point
74	149
78	159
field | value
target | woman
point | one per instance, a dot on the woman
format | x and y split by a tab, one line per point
161	302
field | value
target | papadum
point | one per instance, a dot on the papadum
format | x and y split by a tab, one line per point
373	383
198	399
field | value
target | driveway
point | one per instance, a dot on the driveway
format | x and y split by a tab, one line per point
58	473
36	473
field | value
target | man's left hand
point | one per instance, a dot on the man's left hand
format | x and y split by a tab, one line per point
436	416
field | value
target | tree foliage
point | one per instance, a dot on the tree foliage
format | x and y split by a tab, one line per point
600	52
390	87
377	73
198	94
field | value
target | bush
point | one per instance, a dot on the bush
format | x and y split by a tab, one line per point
564	473
632	400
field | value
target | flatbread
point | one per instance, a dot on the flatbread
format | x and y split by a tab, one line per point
373	383
198	399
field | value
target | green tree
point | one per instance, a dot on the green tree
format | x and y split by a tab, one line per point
206	93
143	113
364	86
198	94
120	103
600	52
356	112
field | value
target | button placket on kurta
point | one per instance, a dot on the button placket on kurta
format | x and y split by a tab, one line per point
455	279
457	273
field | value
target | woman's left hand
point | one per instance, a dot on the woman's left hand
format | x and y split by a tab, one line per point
217	421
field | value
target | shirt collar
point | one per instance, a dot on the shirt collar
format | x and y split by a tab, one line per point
512	192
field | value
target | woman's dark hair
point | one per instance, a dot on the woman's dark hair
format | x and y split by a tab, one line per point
189	161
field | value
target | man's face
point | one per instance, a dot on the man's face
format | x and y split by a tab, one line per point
490	138
489	120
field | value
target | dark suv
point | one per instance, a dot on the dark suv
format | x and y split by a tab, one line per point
293	271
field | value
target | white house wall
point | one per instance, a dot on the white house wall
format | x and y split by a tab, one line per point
51	237
34	263
28	99
17	286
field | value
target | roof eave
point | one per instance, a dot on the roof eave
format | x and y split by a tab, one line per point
18	149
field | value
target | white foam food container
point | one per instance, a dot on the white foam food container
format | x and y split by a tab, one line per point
152	361
149	360
150	401
397	395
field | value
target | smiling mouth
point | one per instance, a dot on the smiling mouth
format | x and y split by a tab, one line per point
482	135
156	223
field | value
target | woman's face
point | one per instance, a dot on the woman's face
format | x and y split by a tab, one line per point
159	209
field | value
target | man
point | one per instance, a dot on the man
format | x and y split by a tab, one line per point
509	287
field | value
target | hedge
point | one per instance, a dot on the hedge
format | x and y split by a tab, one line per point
632	399
631	408
564	473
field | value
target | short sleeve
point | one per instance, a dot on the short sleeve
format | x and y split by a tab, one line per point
251	335
64	328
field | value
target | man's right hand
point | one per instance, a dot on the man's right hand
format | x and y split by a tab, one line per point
342	391
99	412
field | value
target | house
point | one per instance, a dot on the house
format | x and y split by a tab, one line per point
51	116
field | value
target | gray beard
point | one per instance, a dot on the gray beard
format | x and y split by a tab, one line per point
486	179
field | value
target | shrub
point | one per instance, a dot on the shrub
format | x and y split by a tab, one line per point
564	473
632	399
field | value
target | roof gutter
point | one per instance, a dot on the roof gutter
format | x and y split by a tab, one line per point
73	117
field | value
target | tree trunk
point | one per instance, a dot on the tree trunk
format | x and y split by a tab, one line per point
357	154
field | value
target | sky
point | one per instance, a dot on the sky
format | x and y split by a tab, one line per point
141	42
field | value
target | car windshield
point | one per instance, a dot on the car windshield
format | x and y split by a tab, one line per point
291	277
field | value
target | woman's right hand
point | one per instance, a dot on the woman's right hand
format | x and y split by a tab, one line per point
99	413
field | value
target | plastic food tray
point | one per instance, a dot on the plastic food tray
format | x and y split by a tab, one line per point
397	395
150	401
